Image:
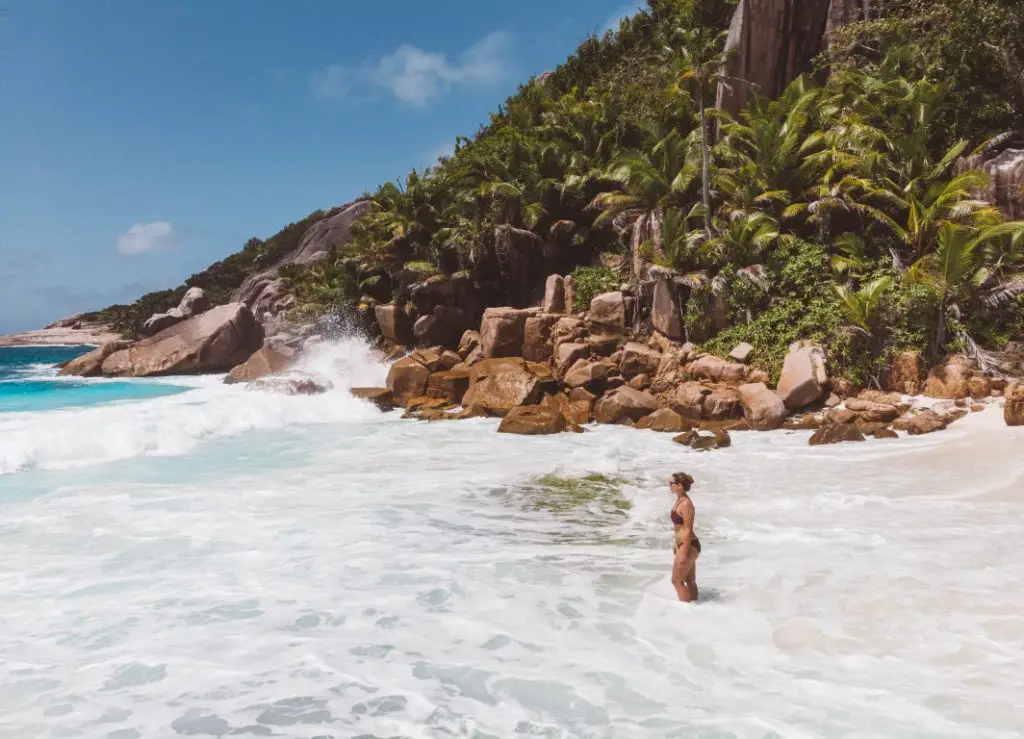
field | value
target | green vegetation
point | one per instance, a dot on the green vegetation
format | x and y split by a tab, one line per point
835	212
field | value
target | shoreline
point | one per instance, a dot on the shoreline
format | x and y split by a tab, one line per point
57	337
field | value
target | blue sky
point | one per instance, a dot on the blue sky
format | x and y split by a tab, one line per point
141	141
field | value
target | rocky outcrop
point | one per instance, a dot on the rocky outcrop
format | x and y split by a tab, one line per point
215	341
537	337
265	292
804	378
904	373
836	434
505	386
394	324
407	379
1013	411
741	353
269	360
639	359
704	442
665	314
91	364
770	43
379	396
625	404
554	295
607	314
762	408
299	384
502	332
533	421
1005	169
953	380
716	369
664	420
193	303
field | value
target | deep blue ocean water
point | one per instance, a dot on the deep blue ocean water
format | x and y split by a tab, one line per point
29	382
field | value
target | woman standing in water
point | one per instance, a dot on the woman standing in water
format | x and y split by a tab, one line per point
687	545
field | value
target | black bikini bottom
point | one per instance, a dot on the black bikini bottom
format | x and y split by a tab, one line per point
694	543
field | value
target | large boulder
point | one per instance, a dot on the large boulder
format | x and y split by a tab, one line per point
762	408
193	303
504	388
407	379
741	353
297	384
639	359
91	364
625	404
721	404
568	354
664	420
904	373
379	396
215	341
394	323
502	332
1013	411
607	314
836	434
449	384
687	399
804	378
554	295
1005	169
770	43
585	373
665	314
269	360
715	369
537	337
533	421
873	412
950	381
920	422
267	292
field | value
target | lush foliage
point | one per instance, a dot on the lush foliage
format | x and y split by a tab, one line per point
591	281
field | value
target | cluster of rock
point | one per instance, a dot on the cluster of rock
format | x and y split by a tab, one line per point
544	371
193	303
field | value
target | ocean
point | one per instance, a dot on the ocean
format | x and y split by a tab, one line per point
183	558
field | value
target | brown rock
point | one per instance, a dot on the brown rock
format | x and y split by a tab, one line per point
835	434
432	358
502	332
904	374
449	384
807	422
871	412
487	367
604	345
267	361
91	364
407	379
501	391
554	295
664	420
379	396
638	359
295	385
585	373
688	400
832	400
704	442
640	382
570	294
840	416
470	341
581	393
575	411
721	404
950	380
977	408
665	314
920	422
537	337
762	408
885	433
532	421
394	324
979	387
568	354
1013	411
215	341
716	369
804	379
607	314
623	405
876	396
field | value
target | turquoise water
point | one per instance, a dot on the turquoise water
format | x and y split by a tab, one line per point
29	382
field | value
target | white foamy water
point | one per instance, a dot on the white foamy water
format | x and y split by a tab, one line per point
308	567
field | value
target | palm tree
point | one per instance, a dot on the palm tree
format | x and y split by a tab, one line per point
649	184
958	276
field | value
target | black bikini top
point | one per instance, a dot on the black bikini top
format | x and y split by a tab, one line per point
677	520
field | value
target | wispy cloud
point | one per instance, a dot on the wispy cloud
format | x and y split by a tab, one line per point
145	237
612	24
414	76
441	150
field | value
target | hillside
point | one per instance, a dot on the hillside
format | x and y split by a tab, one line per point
830	196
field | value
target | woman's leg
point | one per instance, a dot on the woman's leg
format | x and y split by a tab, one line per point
691	578
681	568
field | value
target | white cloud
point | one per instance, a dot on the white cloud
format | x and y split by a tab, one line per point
441	150
612	24
414	76
144	237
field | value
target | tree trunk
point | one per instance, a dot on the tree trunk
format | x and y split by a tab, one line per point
940	328
705	164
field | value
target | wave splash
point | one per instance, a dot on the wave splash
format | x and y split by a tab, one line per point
172	425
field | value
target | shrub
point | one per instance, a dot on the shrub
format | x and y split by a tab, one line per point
591	282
